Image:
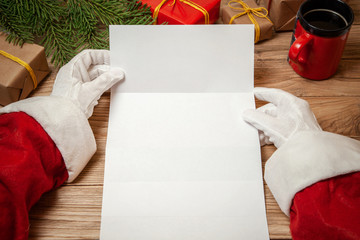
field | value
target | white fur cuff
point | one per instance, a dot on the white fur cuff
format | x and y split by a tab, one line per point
306	158
67	126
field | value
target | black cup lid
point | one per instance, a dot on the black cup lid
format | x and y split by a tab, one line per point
333	5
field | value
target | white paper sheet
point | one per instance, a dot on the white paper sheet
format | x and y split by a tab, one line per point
181	164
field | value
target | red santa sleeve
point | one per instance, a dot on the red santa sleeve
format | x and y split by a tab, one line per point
44	142
66	125
314	177
329	209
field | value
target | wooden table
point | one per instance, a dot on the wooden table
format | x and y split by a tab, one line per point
74	210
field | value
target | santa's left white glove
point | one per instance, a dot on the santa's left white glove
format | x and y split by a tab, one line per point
64	114
85	78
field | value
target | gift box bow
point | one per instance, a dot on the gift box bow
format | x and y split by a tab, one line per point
260	12
187	2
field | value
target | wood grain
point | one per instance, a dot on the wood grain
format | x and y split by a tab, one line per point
74	210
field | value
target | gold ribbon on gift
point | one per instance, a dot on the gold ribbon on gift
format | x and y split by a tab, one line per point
22	63
250	12
188	2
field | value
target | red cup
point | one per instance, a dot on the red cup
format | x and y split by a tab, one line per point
319	38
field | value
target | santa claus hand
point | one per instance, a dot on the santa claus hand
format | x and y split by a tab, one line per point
85	78
280	119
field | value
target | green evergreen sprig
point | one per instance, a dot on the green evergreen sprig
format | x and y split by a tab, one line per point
65	27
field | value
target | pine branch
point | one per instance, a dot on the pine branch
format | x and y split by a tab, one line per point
58	43
18	31
140	14
40	12
65	27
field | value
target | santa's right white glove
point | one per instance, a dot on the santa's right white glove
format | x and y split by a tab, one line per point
280	119
305	153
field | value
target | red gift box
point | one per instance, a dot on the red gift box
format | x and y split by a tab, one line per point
184	11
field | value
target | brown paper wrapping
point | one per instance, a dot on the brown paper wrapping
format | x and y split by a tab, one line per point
282	12
266	27
15	80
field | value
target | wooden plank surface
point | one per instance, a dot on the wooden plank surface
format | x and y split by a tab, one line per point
74	210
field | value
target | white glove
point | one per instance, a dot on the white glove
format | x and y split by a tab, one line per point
280	119
85	78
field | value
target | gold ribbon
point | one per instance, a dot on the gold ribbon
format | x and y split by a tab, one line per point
22	63
250	12
188	2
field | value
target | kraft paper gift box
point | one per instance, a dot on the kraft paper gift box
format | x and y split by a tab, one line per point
16	82
184	11
282	12
266	27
